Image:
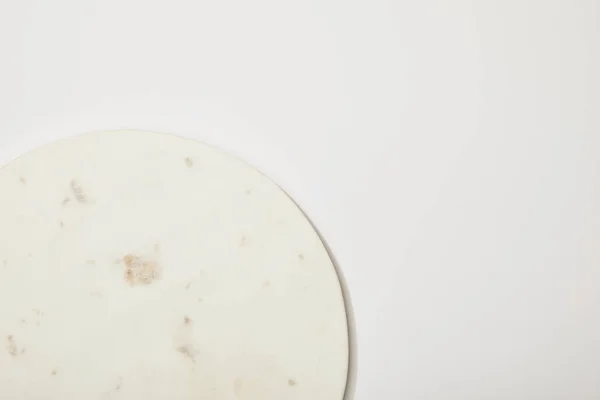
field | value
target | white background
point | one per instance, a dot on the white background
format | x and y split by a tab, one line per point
448	151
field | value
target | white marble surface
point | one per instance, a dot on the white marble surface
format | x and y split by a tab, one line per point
145	266
448	151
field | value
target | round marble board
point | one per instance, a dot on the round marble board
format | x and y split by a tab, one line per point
143	266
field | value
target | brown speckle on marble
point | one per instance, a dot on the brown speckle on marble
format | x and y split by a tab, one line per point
188	162
91	262
62	224
243	241
66	201
78	192
12	346
266	284
119	384
292	382
140	271
183	340
200	299
54	372
22	180
301	257
188	286
188	351
248	191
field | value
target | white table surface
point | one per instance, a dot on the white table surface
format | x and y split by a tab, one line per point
448	151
